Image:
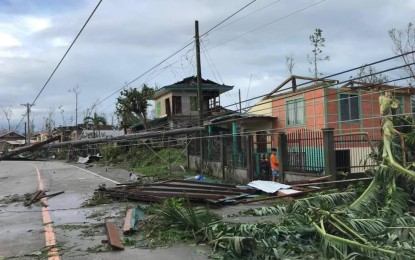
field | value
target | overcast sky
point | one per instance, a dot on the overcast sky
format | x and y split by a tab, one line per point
125	38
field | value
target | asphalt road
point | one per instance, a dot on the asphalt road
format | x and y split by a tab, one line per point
24	231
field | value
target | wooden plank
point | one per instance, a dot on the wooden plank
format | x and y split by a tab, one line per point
114	239
332	182
127	222
283	196
308	181
35	197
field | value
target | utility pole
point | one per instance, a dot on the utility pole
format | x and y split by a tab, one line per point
76	91
199	74
199	88
240	103
28	106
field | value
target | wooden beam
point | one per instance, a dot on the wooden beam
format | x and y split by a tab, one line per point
127	222
332	182
114	239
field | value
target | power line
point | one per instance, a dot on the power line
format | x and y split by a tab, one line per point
56	68
269	23
336	74
251	13
342	72
227	18
170	56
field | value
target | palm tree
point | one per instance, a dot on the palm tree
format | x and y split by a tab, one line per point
96	121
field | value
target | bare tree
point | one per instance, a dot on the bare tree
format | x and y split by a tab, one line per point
49	122
62	111
91	109
368	74
318	42
289	62
113	116
32	126
8	114
404	42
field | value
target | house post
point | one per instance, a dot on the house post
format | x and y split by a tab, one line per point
69	154
235	143
222	154
250	157
329	152
187	151
283	154
209	142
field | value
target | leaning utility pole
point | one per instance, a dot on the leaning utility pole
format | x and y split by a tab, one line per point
76	91
199	88
28	106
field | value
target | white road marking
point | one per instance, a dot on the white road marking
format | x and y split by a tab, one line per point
93	173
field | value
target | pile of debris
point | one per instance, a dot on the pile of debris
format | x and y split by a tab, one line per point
195	191
219	194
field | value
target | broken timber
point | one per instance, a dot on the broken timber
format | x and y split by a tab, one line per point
30	148
333	182
113	236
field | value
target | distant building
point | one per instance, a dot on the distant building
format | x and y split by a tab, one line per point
11	140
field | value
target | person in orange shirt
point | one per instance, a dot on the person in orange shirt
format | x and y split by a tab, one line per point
275	166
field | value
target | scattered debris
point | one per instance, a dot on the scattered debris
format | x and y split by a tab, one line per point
268	186
113	236
131	220
196	191
89	158
133	177
53	194
37	196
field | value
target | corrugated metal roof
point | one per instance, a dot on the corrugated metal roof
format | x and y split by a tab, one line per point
268	186
238	116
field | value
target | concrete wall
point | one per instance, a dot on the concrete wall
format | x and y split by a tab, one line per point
185	101
293	176
214	169
262	108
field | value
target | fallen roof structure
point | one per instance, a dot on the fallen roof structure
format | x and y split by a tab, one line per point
195	191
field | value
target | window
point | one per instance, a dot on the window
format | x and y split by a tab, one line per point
349	107
193	104
177	105
295	112
158	108
401	109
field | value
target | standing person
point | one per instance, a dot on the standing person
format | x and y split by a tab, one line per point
275	166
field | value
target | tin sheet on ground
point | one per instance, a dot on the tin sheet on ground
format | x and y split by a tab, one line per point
268	186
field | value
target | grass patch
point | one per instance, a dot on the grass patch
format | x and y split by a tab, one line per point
97	199
99	248
69	227
98	214
15	198
92	230
156	162
129	241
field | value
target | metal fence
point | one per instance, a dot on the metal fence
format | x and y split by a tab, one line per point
353	150
234	149
193	147
305	151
